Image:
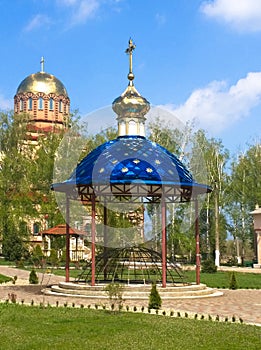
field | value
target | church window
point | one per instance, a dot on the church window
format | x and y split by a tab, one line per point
30	103
60	105
40	103
21	102
51	104
36	228
132	127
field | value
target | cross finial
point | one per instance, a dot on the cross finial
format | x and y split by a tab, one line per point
42	64
129	51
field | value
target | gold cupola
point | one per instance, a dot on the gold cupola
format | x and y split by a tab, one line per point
131	107
44	98
42	82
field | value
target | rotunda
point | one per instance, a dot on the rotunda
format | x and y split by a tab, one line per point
45	99
130	169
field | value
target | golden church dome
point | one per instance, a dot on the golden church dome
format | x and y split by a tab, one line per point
130	103
42	82
131	107
44	98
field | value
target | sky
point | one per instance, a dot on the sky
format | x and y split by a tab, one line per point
199	59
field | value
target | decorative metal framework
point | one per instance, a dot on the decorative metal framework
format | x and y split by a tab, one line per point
131	265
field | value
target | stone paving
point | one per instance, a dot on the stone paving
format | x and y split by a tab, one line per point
244	304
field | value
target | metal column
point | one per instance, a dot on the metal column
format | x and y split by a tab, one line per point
197	243
105	240
164	242
67	240
93	229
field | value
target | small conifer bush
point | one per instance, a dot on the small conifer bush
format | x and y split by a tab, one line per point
233	281
33	278
208	266
154	298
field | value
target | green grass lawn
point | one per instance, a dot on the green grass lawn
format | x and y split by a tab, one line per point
4	262
221	279
4	279
24	327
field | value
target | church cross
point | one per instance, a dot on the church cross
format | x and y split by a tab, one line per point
42	64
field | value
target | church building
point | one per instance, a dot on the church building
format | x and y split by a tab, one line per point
44	98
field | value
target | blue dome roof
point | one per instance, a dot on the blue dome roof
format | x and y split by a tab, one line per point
130	159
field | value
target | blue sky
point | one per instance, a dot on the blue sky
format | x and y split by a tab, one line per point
200	59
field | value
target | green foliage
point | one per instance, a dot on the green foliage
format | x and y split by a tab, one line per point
244	193
37	256
33	278
14	248
154	298
25	178
233	281
208	266
63	256
53	258
114	292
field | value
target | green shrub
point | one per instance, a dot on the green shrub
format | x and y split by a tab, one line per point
33	278
208	266
154	298
37	256
53	258
233	281
114	292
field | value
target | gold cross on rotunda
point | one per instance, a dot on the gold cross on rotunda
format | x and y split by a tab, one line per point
129	51
42	64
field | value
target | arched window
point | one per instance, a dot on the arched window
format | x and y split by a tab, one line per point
36	228
21	104
30	103
142	129
40	103
51	104
122	128
60	106
132	127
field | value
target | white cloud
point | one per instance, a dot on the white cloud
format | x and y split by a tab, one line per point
5	104
244	15
160	19
37	21
218	106
81	9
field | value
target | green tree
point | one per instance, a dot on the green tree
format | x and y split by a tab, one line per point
177	141
115	292
15	191
37	255
13	246
244	194
215	158
154	298
33	278
25	178
53	258
233	281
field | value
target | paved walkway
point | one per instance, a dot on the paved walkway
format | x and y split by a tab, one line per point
245	304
